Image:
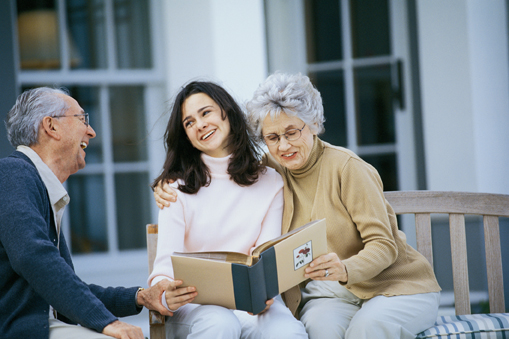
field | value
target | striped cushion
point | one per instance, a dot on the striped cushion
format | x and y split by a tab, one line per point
475	326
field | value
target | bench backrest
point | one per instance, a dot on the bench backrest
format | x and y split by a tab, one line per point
457	205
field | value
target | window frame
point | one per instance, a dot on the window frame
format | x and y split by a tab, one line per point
151	79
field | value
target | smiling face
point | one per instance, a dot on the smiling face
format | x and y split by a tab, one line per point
75	137
204	125
290	154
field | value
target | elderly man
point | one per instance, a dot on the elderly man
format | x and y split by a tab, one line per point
40	295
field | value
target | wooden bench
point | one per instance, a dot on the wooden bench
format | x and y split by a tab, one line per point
423	204
458	204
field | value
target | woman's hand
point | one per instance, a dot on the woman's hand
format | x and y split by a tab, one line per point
327	267
268	303
177	297
164	194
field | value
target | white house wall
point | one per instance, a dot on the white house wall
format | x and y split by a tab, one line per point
488	48
218	40
465	94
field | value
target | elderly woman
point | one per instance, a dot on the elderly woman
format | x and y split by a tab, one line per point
372	284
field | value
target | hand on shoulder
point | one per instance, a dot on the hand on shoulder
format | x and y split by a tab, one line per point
164	194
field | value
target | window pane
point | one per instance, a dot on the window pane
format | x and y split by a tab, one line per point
38	34
375	116
370	28
88	213
132	34
128	123
88	98
323	29
331	86
133	209
86	22
386	166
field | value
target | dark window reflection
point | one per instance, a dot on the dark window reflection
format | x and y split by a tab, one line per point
132	32
323	28
386	166
133	209
331	86
375	116
128	123
370	28
87	24
88	213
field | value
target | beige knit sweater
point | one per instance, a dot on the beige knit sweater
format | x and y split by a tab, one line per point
338	185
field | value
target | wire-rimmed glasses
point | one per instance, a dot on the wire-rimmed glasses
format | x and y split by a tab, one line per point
290	135
85	120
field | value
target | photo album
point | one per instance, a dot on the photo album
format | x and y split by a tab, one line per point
246	282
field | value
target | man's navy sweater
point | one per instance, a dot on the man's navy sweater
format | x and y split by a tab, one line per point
34	272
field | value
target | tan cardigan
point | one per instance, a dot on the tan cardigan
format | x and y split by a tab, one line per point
361	225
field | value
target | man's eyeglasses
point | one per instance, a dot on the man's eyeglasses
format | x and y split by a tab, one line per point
290	135
84	120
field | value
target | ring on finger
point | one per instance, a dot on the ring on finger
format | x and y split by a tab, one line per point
326	273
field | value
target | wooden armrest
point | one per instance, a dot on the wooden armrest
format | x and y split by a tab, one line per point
156	318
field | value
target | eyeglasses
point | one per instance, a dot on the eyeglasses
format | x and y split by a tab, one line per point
85	120
290	135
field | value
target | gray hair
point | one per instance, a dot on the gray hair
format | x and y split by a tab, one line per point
25	117
293	94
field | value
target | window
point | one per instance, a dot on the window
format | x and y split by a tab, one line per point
350	61
101	51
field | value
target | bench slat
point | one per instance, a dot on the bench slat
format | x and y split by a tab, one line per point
494	264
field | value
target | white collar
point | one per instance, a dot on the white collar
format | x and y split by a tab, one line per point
58	196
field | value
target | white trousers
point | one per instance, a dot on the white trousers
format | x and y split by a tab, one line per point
60	330
331	311
209	321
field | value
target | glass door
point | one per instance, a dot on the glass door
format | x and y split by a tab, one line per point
354	58
356	52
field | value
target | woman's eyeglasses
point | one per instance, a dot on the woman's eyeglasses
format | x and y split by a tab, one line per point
290	135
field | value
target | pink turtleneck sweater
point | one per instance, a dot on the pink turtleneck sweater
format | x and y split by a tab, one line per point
220	217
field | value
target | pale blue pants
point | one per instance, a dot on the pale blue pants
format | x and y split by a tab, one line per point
209	321
331	311
61	330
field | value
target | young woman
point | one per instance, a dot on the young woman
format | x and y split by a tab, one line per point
228	202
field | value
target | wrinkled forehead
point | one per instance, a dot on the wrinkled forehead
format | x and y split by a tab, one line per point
279	123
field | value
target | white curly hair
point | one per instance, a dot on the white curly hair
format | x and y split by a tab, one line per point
293	94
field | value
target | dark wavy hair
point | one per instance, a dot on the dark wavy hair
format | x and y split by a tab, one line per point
183	161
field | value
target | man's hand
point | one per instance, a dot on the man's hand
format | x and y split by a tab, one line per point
151	297
121	330
164	194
